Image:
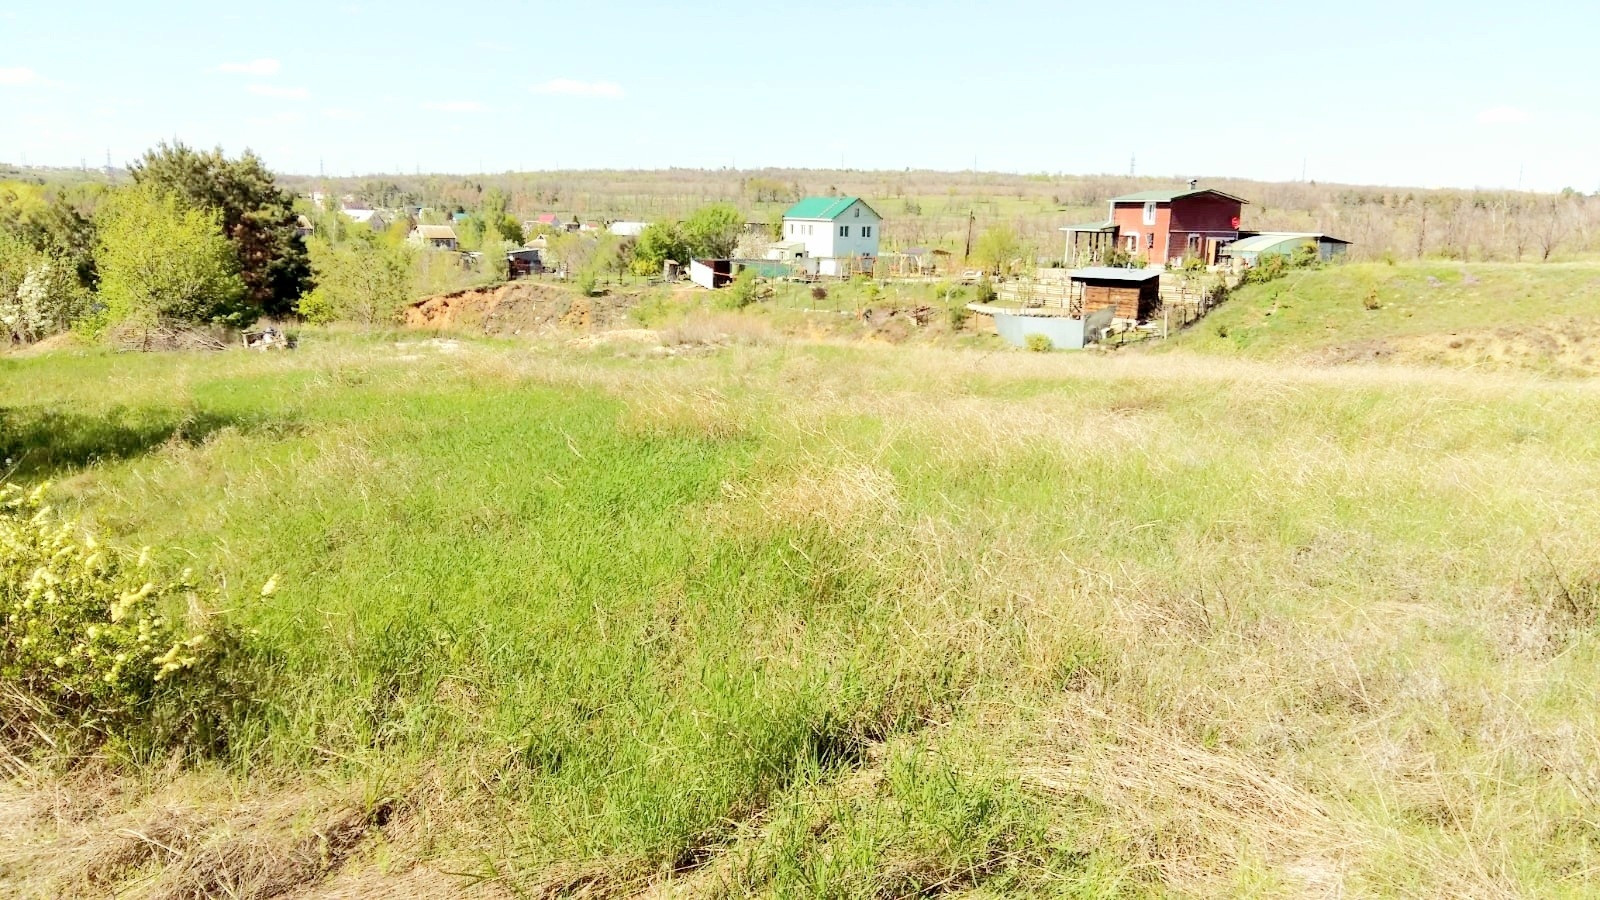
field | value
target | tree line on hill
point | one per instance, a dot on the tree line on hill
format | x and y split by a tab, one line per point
932	209
197	237
194	238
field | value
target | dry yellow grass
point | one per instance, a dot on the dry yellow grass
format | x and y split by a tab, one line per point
1212	627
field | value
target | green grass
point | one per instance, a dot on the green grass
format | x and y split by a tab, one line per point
816	620
1484	315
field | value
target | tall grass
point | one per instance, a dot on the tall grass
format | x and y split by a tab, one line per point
833	621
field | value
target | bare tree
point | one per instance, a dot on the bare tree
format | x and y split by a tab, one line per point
1553	222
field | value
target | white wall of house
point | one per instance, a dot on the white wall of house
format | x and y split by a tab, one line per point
854	233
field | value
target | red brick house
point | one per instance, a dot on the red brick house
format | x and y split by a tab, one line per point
1163	226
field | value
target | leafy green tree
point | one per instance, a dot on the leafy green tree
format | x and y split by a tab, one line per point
55	222
163	259
655	245
366	279
572	250
996	248
494	262
470	233
712	231
255	214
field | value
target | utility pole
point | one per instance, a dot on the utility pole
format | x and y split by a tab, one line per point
968	252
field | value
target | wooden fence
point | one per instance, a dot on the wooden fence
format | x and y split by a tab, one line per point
1185	297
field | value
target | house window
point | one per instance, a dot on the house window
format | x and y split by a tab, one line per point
1133	242
866	231
844	231
858	212
1150	213
1150	240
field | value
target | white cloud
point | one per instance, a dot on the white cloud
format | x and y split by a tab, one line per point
571	87
456	106
282	93
19	75
283	118
253	67
1503	115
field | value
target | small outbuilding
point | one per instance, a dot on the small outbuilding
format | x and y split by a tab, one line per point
439	237
526	261
1135	293
1251	248
711	273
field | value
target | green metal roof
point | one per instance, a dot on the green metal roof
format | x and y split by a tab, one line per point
1170	195
822	208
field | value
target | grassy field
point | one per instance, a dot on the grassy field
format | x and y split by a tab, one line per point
1494	317
817	619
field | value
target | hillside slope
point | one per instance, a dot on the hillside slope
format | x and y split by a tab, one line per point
1542	318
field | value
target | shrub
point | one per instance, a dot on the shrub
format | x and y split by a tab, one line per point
364	279
87	655
1371	301
588	282
163	261
1267	268
1222	329
1038	343
958	317
655	309
743	291
983	291
819	293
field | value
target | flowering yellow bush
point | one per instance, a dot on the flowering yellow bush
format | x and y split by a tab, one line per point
85	649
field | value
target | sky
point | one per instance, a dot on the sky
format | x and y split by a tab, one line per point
1460	94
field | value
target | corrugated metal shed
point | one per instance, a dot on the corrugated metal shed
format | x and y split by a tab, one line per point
1284	243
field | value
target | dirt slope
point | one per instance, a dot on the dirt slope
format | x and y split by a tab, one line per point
521	308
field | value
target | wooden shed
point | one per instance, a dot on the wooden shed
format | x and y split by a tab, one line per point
1136	293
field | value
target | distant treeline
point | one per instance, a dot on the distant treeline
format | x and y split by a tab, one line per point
926	208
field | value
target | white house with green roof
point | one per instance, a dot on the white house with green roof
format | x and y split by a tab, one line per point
840	233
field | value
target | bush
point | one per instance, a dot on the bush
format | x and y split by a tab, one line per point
743	291
1038	343
958	317
588	282
87	656
1267	268
819	293
1371	301
983	291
